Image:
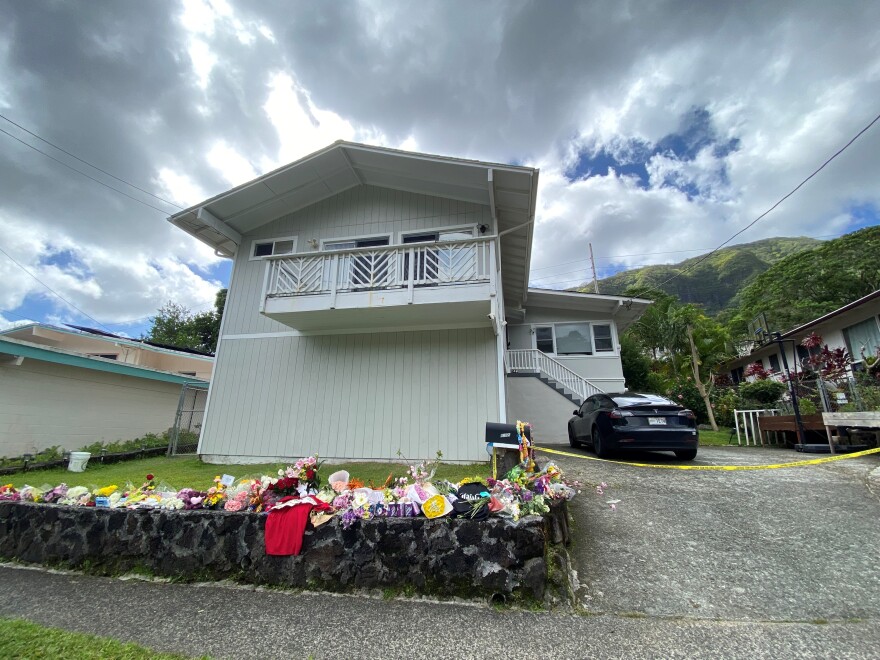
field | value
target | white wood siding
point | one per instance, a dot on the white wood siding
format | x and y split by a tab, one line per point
45	405
354	396
360	211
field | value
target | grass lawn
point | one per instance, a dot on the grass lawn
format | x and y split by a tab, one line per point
190	472
719	438
22	639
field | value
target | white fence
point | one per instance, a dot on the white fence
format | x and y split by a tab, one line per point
534	361
747	424
386	267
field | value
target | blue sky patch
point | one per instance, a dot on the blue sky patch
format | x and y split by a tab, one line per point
630	158
863	215
65	260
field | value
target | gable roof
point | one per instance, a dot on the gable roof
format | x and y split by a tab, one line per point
510	191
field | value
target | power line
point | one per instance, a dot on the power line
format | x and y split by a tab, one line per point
70	167
792	192
651	254
11	258
113	176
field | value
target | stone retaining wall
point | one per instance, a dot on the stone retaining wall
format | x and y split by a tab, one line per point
441	557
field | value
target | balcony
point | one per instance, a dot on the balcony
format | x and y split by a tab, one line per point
394	286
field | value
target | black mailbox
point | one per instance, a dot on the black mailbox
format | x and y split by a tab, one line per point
504	433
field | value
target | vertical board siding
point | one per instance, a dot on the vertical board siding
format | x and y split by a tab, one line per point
360	396
43	405
359	211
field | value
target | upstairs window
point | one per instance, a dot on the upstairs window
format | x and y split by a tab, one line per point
273	247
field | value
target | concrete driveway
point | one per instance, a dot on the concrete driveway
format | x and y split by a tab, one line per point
796	544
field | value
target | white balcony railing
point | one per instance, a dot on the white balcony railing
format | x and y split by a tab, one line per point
534	361
385	267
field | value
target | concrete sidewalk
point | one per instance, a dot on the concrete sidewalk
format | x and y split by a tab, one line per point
234	622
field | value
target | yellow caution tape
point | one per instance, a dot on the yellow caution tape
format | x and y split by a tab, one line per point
772	466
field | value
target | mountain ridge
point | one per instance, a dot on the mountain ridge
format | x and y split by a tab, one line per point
714	282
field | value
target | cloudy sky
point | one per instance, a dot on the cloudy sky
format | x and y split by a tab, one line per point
660	127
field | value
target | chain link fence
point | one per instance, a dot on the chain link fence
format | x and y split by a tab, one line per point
184	437
818	396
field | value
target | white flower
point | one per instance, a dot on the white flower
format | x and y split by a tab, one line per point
172	503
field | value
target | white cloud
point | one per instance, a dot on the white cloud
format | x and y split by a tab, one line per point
192	102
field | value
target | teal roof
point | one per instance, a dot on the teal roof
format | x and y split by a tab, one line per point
31	351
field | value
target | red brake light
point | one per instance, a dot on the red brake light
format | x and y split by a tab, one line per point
688	413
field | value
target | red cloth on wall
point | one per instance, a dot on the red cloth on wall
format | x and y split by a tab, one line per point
286	524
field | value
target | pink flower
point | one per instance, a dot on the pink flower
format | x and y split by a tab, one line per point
233	505
614	507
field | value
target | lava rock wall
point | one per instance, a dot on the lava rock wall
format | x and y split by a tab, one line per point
443	557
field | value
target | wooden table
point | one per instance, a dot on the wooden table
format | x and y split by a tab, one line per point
861	420
788	424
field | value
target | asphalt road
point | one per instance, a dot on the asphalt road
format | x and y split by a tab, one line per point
796	544
775	564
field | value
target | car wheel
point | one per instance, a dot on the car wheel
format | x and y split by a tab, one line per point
598	444
686	454
572	439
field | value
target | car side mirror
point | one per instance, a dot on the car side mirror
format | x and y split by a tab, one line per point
577	412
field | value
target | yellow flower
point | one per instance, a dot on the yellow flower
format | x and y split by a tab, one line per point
106	491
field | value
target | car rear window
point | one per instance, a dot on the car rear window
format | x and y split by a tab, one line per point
624	401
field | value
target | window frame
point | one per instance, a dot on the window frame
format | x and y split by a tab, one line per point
279	239
438	230
355	239
613	352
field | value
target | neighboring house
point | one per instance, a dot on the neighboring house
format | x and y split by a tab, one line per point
71	388
854	327
373	296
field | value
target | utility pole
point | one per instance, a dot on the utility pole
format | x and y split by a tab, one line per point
593	263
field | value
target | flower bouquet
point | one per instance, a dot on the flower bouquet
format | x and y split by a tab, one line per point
8	493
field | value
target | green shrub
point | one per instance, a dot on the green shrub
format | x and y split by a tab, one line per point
807	407
763	391
684	392
724	401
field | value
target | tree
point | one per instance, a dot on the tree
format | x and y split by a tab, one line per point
636	365
175	325
683	341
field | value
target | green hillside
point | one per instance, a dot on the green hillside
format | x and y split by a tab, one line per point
715	282
811	283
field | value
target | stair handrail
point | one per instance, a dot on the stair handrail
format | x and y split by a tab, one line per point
532	359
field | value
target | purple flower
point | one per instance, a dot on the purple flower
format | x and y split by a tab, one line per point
349	517
527	496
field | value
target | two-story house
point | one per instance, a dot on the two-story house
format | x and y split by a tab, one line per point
379	302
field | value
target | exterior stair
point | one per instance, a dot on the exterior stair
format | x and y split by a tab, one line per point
571	396
532	362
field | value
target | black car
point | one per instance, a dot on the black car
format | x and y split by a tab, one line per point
610	422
